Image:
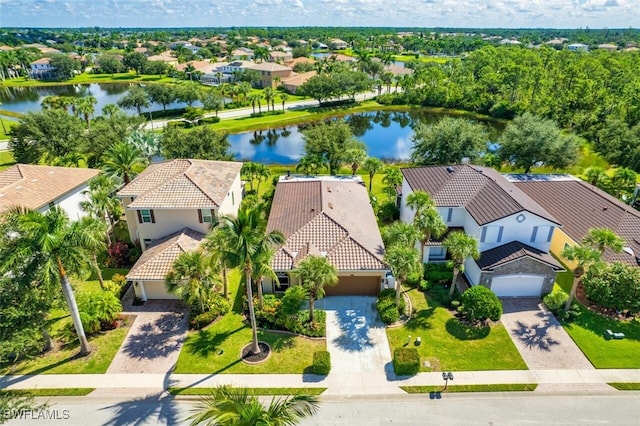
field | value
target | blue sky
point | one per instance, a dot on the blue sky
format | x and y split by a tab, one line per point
406	13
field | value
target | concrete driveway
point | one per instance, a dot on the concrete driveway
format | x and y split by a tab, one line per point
539	337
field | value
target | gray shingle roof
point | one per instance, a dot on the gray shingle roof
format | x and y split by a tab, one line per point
513	251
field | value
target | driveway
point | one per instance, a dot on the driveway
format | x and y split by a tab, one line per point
154	340
539	337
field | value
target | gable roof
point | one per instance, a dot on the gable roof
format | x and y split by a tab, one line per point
35	186
483	192
183	183
157	260
581	206
326	216
269	66
510	252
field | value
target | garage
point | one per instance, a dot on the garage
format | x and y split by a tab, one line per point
517	285
355	286
157	290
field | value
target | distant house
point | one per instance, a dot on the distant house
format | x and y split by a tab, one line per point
330	217
242	54
42	68
42	187
142	50
270	73
608	46
578	47
293	82
337	44
279	56
165	56
299	60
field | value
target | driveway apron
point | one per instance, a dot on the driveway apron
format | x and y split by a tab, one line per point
539	337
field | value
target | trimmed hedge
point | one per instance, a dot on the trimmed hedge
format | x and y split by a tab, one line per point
481	303
388	310
321	362
406	361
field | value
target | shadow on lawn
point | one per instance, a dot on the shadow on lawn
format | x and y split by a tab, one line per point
598	324
207	343
463	331
421	320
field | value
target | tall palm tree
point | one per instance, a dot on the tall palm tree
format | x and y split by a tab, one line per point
227	406
372	165
400	233
430	224
51	243
460	246
217	251
315	273
101	202
95	229
249	237
403	261
602	239
585	257
419	200
269	95
86	107
123	160
262	268
284	97
192	279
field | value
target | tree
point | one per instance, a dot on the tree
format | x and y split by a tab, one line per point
217	249
227	406
147	142
248	236
64	65
192	279
202	143
109	64
255	171
110	110
623	181
136	99
330	141
284	97
188	93
460	246
615	286
156	68
392	180
101	202
315	273
529	140
311	164
372	165
211	100
596	176
135	61
400	233
429	222
162	94
584	256
86	107
48	242
269	96
481	303
355	154
448	141
602	239
123	160
403	261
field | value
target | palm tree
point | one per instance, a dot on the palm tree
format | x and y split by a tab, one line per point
419	200
227	406
460	246
85	106
372	165
284	97
217	250
403	261
392	180
49	242
262	268
584	256
101	203
430	224
603	238
268	96
400	233
95	243
315	273
123	160
249	237
110	110
191	279
311	164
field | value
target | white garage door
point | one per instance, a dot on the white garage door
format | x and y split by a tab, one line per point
157	290
517	285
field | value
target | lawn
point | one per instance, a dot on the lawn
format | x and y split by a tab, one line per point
473	388
6	159
87	78
448	345
53	392
251	391
5	127
217	348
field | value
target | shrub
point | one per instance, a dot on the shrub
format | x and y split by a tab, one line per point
292	299
438	273
406	361
267	316
118	255
555	300
116	284
321	362
98	310
388	212
616	286
481	303
387	307
440	294
218	304
202	320
210	120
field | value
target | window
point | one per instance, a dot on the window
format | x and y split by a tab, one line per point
206	215
541	234
283	282
491	234
146	216
437	253
449	214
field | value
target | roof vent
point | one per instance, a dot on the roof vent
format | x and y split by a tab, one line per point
330	205
628	250
605	208
450	169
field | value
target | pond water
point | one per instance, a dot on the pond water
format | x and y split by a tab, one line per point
25	99
387	134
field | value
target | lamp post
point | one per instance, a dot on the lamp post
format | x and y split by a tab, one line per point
446	376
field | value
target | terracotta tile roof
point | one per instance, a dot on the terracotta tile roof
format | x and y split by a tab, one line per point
158	258
35	186
330	217
200	184
483	192
581	206
269	66
514	251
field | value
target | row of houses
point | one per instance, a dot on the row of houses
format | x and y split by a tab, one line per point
522	222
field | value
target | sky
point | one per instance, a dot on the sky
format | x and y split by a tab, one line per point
339	13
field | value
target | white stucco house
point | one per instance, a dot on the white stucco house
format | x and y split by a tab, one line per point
513	231
169	208
42	187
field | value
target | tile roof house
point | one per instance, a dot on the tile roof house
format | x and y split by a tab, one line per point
580	207
41	187
513	231
331	217
173	198
270	72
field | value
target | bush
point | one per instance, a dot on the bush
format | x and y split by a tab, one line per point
406	361
387	307
292	299
321	362
116	284
118	255
481	303
202	320
388	212
555	300
267	316
438	273
616	286
218	304
210	120
98	311
440	294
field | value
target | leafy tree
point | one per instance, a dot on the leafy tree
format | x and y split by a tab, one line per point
481	303
105	132
136	99
355	154
162	94
615	286
623	182
448	141
248	236
188	93
319	87
372	165
156	68
403	261
109	64
596	176
123	160
330	141
585	257
200	143
212	100
64	65
315	273
460	246
234	406
192	280
135	61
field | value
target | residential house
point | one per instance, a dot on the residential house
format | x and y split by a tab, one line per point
330	217
578	47
581	206
292	83
271	73
513	231
337	44
169	208
165	56
42	68
608	46
291	63
42	187
279	56
242	54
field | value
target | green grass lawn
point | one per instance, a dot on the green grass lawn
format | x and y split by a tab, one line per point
6	160
53	392
251	391
5	127
473	388
87	78
448	345
625	386
217	348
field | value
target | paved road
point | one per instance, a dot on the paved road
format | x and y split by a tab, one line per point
452	409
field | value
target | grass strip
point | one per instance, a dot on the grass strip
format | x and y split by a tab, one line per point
508	387
625	386
252	391
53	392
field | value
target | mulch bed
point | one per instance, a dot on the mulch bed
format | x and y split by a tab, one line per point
251	358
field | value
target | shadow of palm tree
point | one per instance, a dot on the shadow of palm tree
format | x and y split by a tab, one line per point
421	320
354	336
206	342
536	335
157	339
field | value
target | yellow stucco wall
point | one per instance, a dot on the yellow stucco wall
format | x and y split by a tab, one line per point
558	242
